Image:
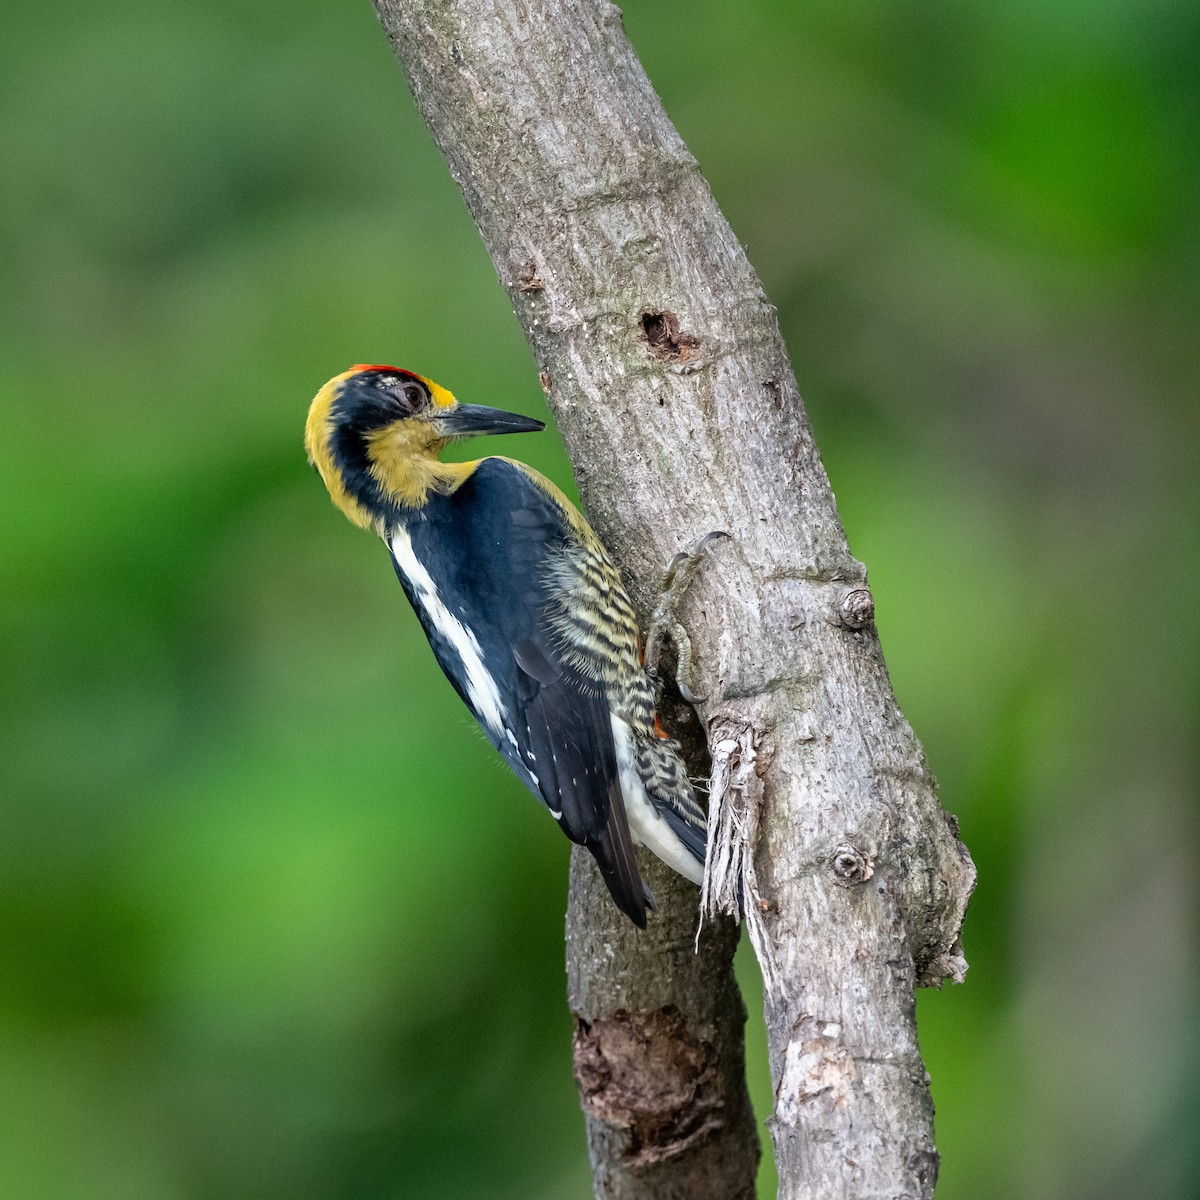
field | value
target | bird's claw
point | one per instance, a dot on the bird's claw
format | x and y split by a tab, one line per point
701	547
665	624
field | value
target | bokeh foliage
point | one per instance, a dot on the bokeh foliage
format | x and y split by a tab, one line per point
273	920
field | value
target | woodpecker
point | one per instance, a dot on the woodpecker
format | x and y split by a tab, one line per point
525	613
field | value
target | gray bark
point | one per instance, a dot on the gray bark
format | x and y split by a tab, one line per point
662	361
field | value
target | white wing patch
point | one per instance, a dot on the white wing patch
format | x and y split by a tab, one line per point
647	826
481	687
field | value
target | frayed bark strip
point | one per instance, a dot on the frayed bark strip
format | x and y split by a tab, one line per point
730	884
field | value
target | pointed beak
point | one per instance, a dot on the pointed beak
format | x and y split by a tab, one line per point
471	420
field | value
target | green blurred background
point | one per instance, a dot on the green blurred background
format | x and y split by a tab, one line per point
273	920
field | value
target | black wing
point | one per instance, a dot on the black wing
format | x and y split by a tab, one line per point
487	552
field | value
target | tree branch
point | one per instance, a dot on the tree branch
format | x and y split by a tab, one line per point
663	363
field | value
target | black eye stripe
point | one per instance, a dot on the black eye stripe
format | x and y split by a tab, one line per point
409	394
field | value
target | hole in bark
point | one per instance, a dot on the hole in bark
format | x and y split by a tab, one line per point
665	339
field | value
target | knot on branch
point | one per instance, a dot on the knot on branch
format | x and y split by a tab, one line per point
528	279
645	1073
662	335
856	609
850	865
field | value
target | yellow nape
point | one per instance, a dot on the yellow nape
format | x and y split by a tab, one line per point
318	430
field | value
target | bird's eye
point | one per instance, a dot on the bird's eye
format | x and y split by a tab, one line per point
411	395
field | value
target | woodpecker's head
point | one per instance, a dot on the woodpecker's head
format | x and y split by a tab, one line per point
375	433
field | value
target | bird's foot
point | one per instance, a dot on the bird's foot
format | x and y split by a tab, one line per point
665	624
